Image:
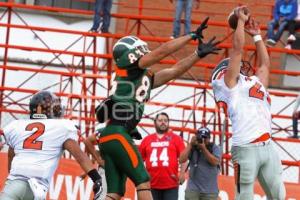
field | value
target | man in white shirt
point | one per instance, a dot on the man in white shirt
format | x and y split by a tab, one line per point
35	147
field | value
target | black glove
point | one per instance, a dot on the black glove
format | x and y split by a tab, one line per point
135	134
198	33
207	48
104	110
97	188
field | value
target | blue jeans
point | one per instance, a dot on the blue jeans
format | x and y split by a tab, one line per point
165	194
102	8
181	5
295	124
273	25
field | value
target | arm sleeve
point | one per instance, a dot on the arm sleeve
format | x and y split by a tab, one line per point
294	11
7	133
217	151
275	12
72	131
220	90
180	145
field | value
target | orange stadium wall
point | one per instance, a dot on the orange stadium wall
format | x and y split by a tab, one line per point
68	186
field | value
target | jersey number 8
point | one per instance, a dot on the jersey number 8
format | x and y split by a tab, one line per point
141	93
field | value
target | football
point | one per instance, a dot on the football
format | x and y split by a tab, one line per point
233	18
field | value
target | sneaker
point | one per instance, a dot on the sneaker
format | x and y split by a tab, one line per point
271	42
291	38
172	37
288	46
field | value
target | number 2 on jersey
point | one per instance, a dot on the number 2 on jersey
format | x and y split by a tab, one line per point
31	142
154	158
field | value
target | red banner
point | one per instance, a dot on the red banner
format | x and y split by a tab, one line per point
67	185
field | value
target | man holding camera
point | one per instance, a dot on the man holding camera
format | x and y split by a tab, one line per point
204	158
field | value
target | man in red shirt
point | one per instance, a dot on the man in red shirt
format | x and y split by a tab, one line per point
161	151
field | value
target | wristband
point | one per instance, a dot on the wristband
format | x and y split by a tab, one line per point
193	35
257	38
94	175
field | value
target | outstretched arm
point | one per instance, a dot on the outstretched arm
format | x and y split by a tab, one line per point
86	165
163	51
262	54
81	158
89	143
185	64
234	66
178	69
171	47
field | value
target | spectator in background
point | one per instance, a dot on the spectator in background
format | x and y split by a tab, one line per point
204	159
161	151
285	11
186	6
102	10
292	27
296	117
1	143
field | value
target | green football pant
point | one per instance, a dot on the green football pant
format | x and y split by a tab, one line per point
122	159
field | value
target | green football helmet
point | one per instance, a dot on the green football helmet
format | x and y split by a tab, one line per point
128	50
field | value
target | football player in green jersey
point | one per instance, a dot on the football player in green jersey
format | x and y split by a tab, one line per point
124	108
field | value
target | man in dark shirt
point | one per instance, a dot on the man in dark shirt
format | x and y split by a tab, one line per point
204	158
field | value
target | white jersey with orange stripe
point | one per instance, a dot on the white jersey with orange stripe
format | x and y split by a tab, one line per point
38	146
248	107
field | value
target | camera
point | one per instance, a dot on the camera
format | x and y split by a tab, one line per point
199	137
202	133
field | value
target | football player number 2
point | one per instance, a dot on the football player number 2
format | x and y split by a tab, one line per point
31	142
162	157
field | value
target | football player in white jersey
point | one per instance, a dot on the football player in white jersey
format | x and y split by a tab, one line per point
35	147
248	105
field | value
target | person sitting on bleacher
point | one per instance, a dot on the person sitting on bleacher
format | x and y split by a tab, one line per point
284	12
292	27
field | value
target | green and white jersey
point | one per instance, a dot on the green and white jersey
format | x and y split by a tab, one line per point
132	85
129	93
